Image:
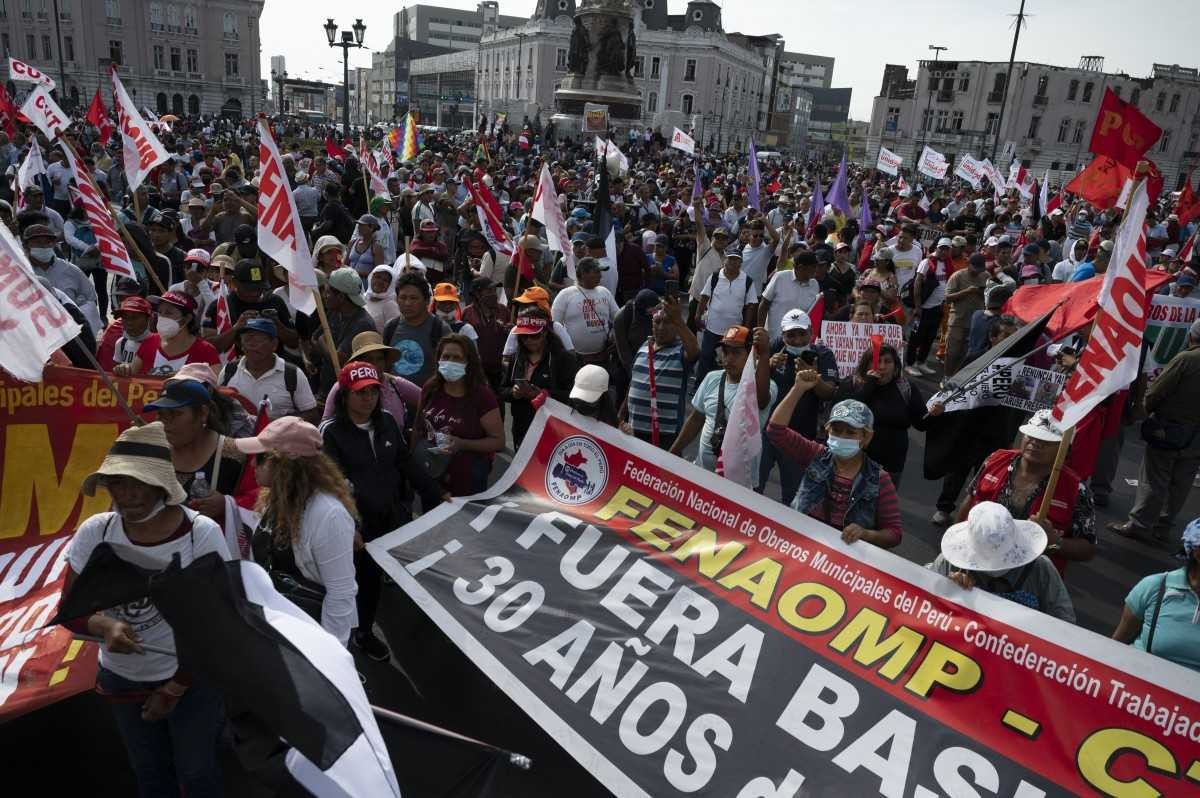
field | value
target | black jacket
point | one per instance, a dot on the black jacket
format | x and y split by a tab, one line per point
334	221
378	474
893	416
556	373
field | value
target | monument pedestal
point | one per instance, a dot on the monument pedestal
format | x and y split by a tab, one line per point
600	65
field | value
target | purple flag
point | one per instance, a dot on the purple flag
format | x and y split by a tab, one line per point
838	197
754	179
864	215
818	206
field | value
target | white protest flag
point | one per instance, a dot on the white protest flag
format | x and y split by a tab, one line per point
41	109
888	162
682	141
1020	179
33	323
1110	360
616	161
993	174
547	211
376	182
29	170
114	257
20	71
932	163
279	232
970	170
140	148
743	434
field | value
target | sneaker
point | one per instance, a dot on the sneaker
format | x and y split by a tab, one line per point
926	370
913	371
372	646
940	518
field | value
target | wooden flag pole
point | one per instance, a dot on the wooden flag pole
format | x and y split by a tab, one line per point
1060	458
333	355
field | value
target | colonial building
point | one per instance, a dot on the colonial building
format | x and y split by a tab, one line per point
174	56
1049	113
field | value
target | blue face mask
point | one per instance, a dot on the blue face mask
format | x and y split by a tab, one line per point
452	370
842	448
795	350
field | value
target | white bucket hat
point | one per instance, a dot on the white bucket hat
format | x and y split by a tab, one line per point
991	540
1041	425
141	453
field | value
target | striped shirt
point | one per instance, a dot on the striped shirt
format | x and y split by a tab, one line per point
670	383
801	451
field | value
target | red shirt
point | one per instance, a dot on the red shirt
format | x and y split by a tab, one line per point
157	363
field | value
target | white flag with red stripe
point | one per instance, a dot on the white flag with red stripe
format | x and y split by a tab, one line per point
279	232
547	211
743	435
140	148
377	184
33	323
114	257
28	172
1110	360
489	217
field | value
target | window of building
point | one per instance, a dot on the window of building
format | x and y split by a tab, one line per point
68	48
942	118
685	104
1160	101
5	44
173	22
47	52
189	22
1072	91
1043	84
927	120
1064	130
560	60
156	16
193	60
1087	91
1136	96
1034	124
115	51
231	64
964	84
176	60
3	9
1174	103
112	10
159	57
1164	143
689	69
1080	126
230	25
160	103
639	66
655	66
651	102
177	104
1054	166
193	104
956	122
31	46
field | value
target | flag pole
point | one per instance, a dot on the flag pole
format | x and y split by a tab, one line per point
364	153
137	420
333	355
516	760
1060	458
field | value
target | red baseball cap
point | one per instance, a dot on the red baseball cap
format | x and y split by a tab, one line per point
357	375
181	301
133	304
530	325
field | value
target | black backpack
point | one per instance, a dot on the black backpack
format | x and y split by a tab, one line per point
290	377
927	285
712	285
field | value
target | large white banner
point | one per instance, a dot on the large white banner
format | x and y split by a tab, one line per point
932	163
33	323
682	141
888	162
20	71
41	109
971	170
279	232
140	148
1167	330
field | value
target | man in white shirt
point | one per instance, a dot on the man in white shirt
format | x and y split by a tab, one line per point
756	254
735	214
587	310
728	299
936	268
60	178
260	372
906	254
790	289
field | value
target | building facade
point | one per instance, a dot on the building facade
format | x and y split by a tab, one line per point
453	28
174	56
1049	113
443	89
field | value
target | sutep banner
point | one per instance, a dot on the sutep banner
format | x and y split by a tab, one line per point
679	635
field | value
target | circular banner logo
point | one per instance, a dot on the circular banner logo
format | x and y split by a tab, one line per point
577	472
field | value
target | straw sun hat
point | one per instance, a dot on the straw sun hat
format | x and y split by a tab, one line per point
141	453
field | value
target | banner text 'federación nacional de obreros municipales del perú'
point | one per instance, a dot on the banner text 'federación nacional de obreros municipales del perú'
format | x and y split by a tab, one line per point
678	635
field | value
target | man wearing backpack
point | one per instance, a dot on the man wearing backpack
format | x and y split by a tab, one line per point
260	372
928	294
729	299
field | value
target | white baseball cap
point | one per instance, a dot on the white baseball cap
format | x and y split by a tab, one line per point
991	540
590	383
795	319
1041	425
945	242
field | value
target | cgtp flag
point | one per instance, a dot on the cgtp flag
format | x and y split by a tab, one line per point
141	149
754	179
971	170
743	436
97	115
932	163
114	257
20	71
1121	131
1110	360
42	111
682	141
377	184
888	162
547	211
33	323
279	232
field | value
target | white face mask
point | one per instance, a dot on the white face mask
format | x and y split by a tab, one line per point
42	254
159	506
167	328
446	315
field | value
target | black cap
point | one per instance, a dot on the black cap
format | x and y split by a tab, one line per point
249	272
245	233
482	284
595	242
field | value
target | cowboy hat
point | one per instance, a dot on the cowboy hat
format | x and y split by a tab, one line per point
991	540
141	453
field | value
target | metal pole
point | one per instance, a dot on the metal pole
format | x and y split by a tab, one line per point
1008	79
345	89
62	70
937	50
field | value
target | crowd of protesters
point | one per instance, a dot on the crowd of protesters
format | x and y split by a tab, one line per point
443	349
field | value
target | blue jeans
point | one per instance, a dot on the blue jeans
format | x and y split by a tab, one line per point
174	756
790	472
709	341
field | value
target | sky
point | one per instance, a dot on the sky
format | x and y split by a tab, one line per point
862	36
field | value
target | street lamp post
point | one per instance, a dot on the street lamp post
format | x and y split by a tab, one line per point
280	78
348	39
937	50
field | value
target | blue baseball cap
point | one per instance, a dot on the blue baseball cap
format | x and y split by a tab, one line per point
581	213
180	393
853	413
260	325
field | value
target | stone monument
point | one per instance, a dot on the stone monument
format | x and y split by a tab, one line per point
600	65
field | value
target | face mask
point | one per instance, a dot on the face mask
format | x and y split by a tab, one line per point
590	409
167	328
795	350
446	315
451	370
42	254
158	507
489	300
843	448
137	338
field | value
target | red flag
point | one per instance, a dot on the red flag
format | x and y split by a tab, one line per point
1079	302
489	217
97	115
1185	254
1187	207
816	314
1053	204
1100	183
332	150
8	114
1122	132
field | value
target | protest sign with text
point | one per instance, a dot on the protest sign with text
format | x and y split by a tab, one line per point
33	323
971	170
20	71
42	111
888	161
595	118
55	432
280	234
1167	330
680	635
849	340
682	141
932	163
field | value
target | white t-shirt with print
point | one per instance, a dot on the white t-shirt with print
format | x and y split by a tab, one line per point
205	537
588	316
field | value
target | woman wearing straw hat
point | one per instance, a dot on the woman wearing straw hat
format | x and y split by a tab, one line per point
995	553
147	687
398	396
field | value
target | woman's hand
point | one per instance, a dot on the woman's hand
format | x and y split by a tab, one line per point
962	579
123	370
119	638
162	701
212	505
854	532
